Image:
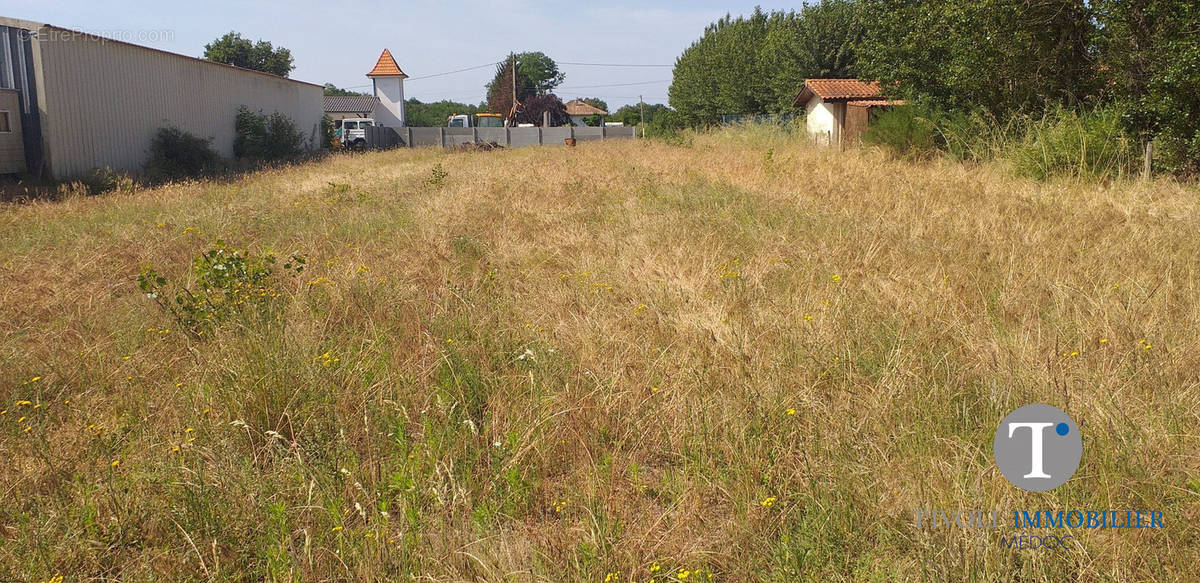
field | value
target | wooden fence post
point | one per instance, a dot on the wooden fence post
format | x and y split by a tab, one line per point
1148	160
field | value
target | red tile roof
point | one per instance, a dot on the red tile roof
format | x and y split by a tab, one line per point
581	107
874	102
836	90
386	66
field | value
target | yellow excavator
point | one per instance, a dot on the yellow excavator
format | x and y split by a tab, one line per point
482	120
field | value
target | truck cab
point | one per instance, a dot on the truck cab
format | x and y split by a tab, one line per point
481	120
353	131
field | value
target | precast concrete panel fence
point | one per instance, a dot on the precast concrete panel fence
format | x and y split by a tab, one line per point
388	137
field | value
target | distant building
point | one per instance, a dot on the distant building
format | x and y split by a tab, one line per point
385	104
387	81
579	109
350	106
86	101
839	110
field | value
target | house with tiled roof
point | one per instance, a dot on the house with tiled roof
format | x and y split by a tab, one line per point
838	110
578	109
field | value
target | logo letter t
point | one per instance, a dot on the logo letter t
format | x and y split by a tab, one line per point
1036	430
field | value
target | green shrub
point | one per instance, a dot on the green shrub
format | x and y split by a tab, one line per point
437	176
666	125
101	180
1066	143
266	137
328	133
229	283
176	154
910	131
976	136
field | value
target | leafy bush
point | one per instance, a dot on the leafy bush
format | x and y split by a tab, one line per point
266	137
176	154
910	131
328	133
665	125
229	283
101	180
1064	142
437	176
533	108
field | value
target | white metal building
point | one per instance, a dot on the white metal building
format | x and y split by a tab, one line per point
88	102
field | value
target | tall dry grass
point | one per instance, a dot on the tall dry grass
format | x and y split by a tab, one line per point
735	357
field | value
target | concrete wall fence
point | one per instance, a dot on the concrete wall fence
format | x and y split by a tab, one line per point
386	137
101	101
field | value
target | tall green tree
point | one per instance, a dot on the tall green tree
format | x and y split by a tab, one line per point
536	74
631	115
233	49
1003	56
434	114
756	64
1149	63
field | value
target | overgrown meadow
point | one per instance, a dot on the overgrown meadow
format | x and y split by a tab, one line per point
731	357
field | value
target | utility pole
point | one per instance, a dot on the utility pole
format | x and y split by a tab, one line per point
642	114
513	59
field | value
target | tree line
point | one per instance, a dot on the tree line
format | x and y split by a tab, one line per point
996	59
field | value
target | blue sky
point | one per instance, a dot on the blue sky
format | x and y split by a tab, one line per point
338	42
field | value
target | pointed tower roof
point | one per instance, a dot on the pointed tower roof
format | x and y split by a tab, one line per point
386	67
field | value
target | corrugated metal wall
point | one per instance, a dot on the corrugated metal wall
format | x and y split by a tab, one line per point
104	100
12	148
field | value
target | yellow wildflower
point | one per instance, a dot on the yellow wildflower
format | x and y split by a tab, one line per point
790	411
767	502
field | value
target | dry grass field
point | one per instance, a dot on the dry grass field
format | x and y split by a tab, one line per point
729	358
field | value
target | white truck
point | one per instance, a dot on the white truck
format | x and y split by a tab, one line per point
352	131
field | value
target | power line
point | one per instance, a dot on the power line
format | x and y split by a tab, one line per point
612	85
434	75
492	64
613	64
